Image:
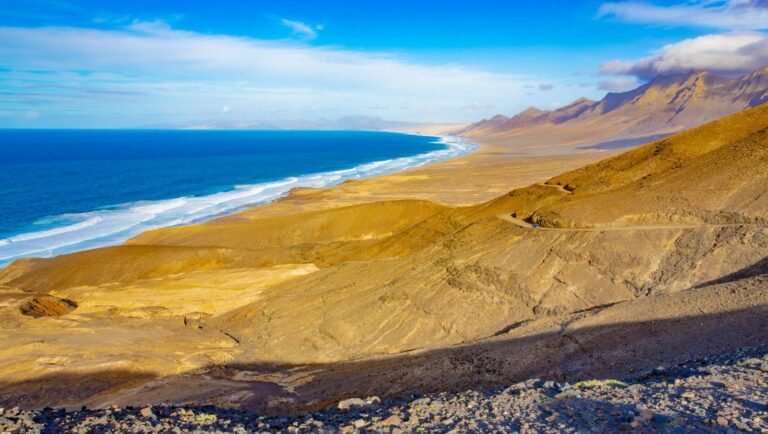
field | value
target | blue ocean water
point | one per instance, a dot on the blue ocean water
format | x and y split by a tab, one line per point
68	190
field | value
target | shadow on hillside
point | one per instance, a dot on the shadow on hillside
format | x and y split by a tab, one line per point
624	143
607	351
70	387
759	268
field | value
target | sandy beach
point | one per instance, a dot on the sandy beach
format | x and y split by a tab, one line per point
484	174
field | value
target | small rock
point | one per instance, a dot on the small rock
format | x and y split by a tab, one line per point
532	383
570	393
351	402
644	415
722	421
360	423
421	401
373	400
742	426
393	420
147	412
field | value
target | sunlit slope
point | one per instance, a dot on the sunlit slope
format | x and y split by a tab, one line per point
676	213
385	277
716	173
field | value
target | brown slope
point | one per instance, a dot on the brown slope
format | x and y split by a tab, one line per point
665	105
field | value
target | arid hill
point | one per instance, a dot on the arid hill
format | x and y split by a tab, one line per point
636	256
665	105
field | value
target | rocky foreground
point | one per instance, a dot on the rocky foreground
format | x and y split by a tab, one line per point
724	393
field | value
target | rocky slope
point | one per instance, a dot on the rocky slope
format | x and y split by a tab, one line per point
637	257
665	105
714	394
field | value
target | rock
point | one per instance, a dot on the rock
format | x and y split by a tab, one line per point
351	402
644	415
397	431
360	423
742	426
722	421
421	401
373	400
393	420
570	393
533	383
346	429
146	412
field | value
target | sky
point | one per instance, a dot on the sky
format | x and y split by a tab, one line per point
140	63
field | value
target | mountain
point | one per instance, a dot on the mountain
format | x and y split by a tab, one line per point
363	123
665	105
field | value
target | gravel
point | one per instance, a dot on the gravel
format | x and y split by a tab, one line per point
726	393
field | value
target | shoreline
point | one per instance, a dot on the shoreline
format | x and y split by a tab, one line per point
71	238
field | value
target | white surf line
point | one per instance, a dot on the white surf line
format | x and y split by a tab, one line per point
114	226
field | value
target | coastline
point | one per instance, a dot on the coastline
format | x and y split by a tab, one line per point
116	226
483	174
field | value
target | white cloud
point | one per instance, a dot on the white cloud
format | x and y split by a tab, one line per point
726	54
719	14
150	70
618	84
302	29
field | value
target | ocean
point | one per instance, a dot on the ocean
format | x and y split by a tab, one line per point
67	190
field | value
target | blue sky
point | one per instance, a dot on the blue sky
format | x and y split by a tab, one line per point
69	63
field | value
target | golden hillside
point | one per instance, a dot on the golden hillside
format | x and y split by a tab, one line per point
382	278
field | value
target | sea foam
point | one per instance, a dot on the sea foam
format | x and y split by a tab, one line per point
116	225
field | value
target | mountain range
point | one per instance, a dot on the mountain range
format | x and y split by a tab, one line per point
350	123
665	105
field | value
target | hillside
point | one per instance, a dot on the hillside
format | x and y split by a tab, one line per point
665	105
638	255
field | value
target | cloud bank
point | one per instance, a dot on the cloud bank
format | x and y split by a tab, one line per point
726	54
729	14
149	69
